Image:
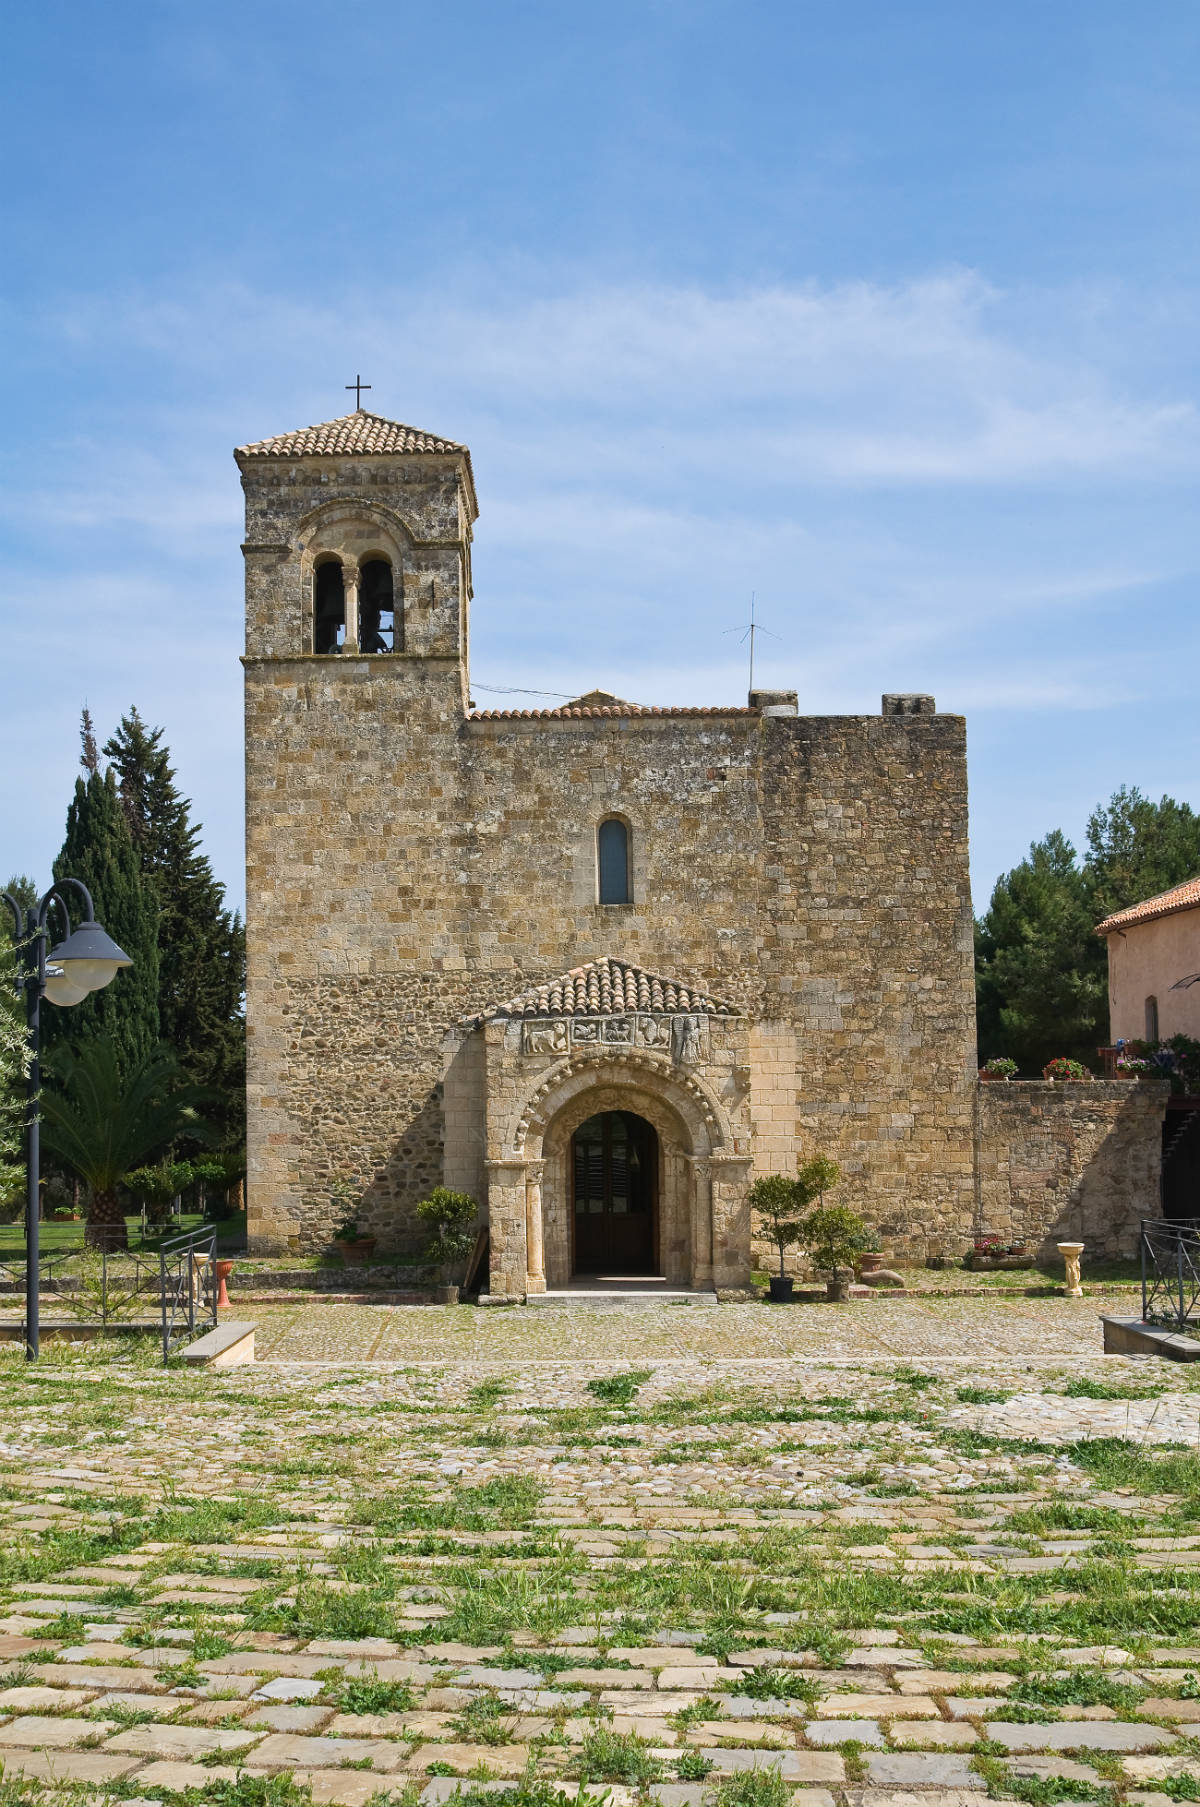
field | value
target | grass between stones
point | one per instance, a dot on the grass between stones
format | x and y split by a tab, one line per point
544	1579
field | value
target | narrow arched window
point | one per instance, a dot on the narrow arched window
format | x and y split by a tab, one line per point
329	606
1151	1019
612	855
378	630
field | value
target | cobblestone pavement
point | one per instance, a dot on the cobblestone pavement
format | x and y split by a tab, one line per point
898	1554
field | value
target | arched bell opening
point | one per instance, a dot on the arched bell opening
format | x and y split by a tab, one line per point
380	630
329	606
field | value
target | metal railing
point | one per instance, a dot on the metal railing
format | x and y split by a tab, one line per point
187	1285
98	1286
1171	1272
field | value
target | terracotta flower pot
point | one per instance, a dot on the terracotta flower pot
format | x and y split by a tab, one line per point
224	1269
360	1250
870	1261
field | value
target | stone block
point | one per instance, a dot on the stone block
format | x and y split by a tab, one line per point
37	1731
841	1731
286	1750
502	1759
288	1689
1079	1735
793	1766
932	1732
66	1766
288	1719
181	1741
921	1769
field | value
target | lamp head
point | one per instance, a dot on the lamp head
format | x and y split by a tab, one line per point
88	960
61	989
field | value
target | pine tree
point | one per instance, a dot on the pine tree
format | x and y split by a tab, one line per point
201	945
1041	970
99	850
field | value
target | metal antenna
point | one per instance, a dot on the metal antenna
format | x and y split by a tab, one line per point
748	630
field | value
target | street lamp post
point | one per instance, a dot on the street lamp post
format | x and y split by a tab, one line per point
86	961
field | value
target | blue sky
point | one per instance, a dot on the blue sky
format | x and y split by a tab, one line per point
885	314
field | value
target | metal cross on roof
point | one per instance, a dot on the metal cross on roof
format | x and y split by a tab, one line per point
358	386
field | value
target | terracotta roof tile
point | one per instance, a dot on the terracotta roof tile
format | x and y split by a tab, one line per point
1181	897
609	988
573	712
358	433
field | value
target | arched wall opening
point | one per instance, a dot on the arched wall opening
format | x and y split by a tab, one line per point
329	606
674	1147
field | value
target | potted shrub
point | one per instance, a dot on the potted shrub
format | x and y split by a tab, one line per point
1000	1067
779	1203
1066	1070
832	1234
350	1242
451	1217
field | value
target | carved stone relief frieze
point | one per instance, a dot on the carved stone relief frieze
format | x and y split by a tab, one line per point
684	1038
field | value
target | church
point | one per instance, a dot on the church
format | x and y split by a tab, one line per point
599	965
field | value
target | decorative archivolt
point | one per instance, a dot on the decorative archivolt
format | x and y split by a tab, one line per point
687	1098
355	529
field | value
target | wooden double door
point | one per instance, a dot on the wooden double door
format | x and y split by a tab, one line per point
614	1165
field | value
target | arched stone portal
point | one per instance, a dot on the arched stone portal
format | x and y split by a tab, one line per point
608	1038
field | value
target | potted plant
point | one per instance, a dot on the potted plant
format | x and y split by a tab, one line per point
833	1234
779	1204
451	1217
991	1253
1062	1069
350	1242
1000	1067
870	1259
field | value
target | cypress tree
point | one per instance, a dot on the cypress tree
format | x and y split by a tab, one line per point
13	1052
201	944
99	849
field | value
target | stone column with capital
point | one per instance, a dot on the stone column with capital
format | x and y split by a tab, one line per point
535	1279
700	1191
350	578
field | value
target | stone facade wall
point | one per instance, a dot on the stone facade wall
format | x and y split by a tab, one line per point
410	863
1061	1163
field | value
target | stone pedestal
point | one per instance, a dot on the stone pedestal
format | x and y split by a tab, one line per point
1070	1252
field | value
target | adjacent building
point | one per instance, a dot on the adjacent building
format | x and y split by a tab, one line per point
1153	950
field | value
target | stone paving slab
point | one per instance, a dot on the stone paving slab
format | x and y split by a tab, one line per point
796	1531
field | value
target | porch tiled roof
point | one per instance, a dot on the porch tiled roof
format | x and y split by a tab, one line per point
610	988
1180	897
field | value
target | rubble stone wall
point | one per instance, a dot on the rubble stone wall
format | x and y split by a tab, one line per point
1059	1163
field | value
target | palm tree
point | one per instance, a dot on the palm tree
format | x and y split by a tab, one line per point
103	1123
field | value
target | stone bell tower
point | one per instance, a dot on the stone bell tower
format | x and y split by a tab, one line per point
358	583
325	504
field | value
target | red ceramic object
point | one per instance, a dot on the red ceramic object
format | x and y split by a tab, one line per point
224	1269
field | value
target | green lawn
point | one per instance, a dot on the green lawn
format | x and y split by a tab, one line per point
62	1238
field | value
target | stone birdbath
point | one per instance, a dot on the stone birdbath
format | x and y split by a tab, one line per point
1070	1252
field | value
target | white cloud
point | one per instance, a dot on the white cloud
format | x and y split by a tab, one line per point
936	486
